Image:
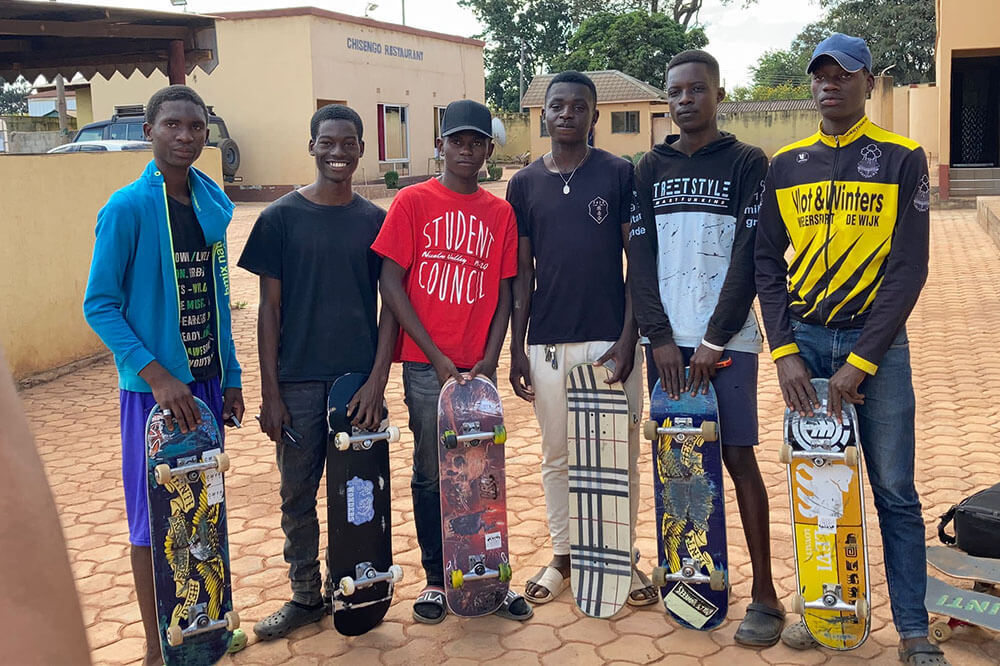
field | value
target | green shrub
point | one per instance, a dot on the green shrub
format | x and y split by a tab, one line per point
495	171
392	179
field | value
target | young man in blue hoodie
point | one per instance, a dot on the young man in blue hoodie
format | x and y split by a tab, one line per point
160	252
691	272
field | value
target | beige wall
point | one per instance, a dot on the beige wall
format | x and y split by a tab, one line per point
901	111
617	144
48	210
962	25
923	126
267	101
518	127
771	130
84	107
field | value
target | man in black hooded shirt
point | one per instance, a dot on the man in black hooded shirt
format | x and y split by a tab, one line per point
692	278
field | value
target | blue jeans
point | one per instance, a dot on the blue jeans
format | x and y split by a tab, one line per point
886	421
421	389
301	466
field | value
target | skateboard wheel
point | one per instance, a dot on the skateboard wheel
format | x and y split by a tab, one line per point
342	441
393	433
660	576
940	631
222	462
505	572
851	456
346	586
785	454
396	573
174	635
499	434
161	473
717	580
710	430
232	620
649	430
861	608
799	604
450	439
457	578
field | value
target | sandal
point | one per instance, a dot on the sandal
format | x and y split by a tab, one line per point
641	583
549	579
287	619
761	627
922	654
797	637
514	607
430	608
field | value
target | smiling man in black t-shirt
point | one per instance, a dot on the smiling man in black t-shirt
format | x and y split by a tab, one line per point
316	321
573	208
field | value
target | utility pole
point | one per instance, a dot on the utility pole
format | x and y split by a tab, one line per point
403	4
61	104
521	85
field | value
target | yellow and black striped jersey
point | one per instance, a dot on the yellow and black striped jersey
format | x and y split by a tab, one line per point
854	208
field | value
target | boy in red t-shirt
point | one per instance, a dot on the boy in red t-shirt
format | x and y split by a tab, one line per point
450	251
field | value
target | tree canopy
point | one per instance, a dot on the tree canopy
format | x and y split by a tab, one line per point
14	97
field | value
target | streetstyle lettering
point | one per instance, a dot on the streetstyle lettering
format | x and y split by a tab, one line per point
453	262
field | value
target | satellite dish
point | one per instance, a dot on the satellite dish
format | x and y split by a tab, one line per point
499	131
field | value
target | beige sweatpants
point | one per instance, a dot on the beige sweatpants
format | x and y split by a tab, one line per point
549	385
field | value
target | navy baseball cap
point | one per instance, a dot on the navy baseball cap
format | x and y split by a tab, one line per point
466	114
851	53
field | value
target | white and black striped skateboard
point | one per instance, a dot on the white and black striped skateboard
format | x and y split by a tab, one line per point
599	531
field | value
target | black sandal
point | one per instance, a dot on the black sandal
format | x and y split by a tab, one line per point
515	607
922	654
430	608
287	619
761	626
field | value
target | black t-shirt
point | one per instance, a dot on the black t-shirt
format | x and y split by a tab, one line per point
576	240
329	282
196	288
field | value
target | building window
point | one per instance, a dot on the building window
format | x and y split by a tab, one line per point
438	122
624	122
393	133
544	128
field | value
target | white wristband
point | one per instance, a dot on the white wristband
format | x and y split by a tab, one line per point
706	343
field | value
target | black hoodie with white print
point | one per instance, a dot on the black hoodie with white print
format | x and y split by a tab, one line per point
691	253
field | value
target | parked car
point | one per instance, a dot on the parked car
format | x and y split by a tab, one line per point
126	124
101	146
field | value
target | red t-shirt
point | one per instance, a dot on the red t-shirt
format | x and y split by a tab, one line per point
456	248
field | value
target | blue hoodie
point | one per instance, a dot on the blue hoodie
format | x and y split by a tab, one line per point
132	300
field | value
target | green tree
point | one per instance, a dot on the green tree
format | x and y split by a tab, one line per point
14	97
637	43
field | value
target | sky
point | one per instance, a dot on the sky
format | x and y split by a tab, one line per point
737	36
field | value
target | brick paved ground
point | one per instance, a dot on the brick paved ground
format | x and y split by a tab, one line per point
76	422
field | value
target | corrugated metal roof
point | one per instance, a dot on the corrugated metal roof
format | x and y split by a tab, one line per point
612	86
48	38
768	105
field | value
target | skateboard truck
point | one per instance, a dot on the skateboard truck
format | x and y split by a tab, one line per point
831	600
479	571
690	572
849	455
471	436
200	623
364	440
189	473
365	575
652	430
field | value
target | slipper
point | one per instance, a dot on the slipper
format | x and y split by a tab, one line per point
549	579
286	619
430	608
922	654
514	607
640	581
797	637
761	627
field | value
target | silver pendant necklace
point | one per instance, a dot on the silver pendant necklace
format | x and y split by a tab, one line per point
559	171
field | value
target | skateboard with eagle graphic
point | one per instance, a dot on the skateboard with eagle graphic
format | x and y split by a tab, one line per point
190	544
690	507
826	498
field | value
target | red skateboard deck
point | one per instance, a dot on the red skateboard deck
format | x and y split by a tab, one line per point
473	497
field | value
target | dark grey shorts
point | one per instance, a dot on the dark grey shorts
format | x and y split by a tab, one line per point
736	390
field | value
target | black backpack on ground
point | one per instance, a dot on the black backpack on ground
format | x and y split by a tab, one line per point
977	524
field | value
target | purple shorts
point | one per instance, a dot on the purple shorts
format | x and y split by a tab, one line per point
736	390
135	409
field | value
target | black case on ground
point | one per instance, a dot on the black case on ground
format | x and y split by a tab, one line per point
977	524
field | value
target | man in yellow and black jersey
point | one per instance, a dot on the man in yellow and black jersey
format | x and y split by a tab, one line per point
853	201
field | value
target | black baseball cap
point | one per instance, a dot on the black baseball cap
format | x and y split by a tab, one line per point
466	114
